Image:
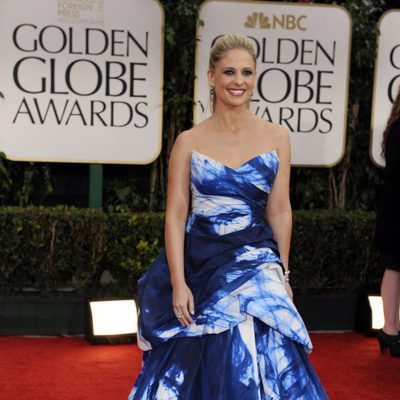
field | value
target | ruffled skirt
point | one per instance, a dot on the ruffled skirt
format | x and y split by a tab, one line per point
248	341
249	361
246	360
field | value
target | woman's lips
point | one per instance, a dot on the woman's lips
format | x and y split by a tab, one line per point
236	92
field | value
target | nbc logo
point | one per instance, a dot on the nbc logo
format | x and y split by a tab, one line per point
289	22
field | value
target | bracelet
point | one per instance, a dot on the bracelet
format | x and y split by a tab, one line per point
287	273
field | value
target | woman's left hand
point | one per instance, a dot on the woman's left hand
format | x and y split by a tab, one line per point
289	290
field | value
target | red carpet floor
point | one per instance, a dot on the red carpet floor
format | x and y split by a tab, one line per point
349	365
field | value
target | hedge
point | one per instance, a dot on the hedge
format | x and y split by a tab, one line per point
54	251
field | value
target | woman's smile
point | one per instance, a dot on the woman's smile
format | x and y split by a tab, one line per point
236	92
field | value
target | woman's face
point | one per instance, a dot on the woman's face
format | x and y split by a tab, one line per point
233	78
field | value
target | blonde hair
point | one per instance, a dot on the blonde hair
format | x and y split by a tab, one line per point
221	46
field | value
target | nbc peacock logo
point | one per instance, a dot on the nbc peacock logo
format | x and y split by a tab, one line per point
252	19
283	21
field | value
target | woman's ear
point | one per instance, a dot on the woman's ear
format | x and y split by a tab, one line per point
210	77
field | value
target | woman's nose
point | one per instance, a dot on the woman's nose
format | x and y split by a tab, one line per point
238	79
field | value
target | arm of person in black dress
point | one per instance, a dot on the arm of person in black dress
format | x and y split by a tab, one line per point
279	210
392	188
393	152
178	195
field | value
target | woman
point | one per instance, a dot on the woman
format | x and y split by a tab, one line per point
232	331
388	233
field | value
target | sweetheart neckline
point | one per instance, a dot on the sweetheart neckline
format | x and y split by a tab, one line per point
241	165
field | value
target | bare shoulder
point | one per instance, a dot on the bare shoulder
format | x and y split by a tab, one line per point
275	131
279	133
280	137
184	143
272	135
184	139
191	137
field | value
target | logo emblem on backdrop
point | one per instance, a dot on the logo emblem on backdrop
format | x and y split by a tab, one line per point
262	20
81	11
258	19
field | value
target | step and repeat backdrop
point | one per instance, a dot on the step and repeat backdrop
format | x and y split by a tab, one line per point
387	79
303	56
83	78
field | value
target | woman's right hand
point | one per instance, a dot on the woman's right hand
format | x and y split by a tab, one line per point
183	304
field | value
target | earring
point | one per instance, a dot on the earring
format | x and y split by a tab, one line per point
212	90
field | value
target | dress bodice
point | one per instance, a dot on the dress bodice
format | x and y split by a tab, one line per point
224	199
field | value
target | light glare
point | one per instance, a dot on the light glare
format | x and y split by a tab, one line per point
115	317
376	305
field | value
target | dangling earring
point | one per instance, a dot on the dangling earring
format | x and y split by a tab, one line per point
212	90
249	101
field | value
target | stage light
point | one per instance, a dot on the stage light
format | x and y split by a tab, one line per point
111	321
376	305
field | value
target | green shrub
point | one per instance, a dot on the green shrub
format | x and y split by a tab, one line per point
133	242
333	251
43	249
51	250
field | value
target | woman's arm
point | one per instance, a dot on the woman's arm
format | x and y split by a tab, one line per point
279	210
175	220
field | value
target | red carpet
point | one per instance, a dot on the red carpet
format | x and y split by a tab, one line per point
349	365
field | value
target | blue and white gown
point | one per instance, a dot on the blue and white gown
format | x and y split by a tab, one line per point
248	341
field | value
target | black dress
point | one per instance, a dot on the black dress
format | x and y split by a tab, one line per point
388	221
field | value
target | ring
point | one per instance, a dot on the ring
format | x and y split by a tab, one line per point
179	316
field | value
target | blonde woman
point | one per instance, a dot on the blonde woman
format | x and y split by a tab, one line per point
217	320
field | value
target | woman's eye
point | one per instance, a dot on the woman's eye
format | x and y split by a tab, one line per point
247	73
228	72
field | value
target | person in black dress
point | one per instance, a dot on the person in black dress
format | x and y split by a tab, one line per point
388	233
